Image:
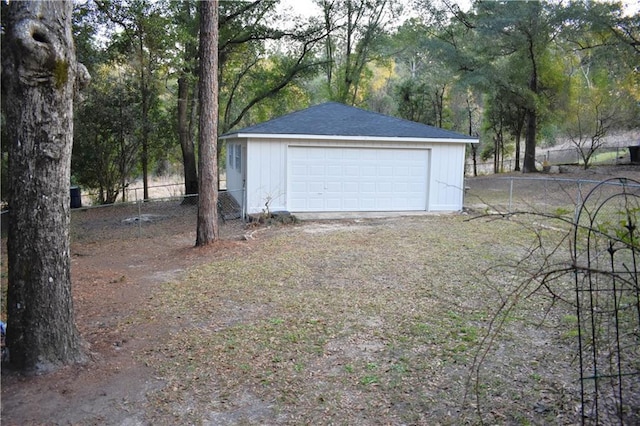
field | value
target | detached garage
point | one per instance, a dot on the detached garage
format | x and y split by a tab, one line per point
332	157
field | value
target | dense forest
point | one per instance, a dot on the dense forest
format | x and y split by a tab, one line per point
518	75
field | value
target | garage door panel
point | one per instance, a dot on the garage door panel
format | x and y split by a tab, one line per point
333	203
385	171
351	204
333	154
297	154
298	187
317	171
332	187
383	202
401	188
401	172
401	203
414	187
367	188
386	187
351	154
356	179
351	187
367	204
315	188
416	171
334	170
368	171
299	171
351	171
315	204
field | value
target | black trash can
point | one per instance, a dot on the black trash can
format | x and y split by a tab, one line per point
4	223
76	197
634	152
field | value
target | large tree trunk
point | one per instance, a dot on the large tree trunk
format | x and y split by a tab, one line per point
186	140
38	78
516	168
207	228
474	156
144	91
529	163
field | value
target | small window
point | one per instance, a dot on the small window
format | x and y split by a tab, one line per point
230	155
238	157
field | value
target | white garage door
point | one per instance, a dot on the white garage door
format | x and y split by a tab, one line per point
356	179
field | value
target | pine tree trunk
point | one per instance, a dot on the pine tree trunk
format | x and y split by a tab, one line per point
38	79
207	228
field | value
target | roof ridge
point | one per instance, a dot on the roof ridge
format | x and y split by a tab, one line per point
397	118
337	119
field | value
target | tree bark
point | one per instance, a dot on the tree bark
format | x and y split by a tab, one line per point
516	167
186	140
474	147
144	92
529	163
207	228
39	72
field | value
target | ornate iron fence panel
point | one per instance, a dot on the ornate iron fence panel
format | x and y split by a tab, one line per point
606	254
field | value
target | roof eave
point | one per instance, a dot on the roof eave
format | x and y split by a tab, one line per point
342	137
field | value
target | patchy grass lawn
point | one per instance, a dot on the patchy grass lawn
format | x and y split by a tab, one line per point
424	320
366	322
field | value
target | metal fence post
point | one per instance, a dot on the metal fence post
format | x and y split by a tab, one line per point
139	215
510	193
243	206
546	196
579	199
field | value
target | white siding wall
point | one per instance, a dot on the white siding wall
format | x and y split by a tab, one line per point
447	177
266	162
235	177
266	175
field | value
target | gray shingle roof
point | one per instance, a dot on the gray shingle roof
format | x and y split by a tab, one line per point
336	119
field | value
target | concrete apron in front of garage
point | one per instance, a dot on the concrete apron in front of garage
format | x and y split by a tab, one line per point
361	215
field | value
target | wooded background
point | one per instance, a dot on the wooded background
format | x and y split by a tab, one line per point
511	73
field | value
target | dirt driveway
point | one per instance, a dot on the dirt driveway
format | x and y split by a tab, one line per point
120	272
116	270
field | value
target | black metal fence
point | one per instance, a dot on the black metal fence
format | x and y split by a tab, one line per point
146	218
603	155
556	157
509	194
606	251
